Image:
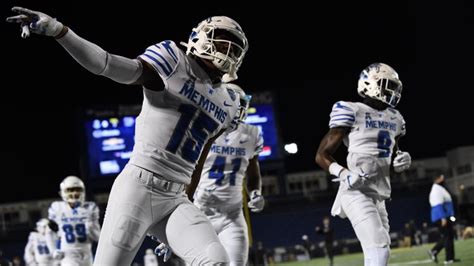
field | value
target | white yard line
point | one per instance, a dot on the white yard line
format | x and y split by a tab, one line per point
413	262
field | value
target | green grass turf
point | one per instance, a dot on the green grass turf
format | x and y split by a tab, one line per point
464	250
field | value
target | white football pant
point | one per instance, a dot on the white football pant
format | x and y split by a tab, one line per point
136	207
369	219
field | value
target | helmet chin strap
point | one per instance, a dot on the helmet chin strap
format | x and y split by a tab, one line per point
228	77
231	75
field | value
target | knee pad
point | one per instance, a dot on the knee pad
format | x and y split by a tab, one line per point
214	254
128	233
376	256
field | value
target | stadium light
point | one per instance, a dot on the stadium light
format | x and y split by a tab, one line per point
291	148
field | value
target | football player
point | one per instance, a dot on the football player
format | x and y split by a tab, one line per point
371	130
232	157
41	243
219	193
185	107
78	223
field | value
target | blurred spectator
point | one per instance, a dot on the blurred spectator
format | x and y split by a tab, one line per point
16	261
150	258
307	245
3	261
468	232
328	233
407	235
424	233
463	204
259	255
412	232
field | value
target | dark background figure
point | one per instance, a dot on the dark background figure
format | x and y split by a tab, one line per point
463	206
442	214
16	261
258	257
407	235
307	245
413	230
328	232
3	261
424	233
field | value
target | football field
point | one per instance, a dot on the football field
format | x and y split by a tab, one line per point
401	256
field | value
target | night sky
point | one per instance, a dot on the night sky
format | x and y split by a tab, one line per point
309	57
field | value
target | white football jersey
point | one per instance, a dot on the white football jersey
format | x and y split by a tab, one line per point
73	224
37	251
175	123
226	165
370	141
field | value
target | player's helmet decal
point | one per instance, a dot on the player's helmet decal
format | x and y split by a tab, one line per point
380	81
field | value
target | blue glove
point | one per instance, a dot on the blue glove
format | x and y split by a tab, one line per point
162	249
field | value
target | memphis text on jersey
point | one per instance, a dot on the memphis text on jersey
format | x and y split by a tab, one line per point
199	99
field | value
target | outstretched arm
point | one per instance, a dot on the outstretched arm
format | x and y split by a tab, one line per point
87	54
100	62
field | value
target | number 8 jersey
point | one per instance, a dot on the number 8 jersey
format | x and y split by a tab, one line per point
370	141
75	225
175	123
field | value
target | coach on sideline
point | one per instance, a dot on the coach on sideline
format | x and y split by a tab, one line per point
442	214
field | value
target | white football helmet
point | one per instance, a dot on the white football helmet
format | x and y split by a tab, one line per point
244	101
42	226
380	81
226	53
72	190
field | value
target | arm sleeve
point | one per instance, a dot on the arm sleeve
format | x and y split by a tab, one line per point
342	115
258	142
438	212
100	62
52	212
448	208
403	128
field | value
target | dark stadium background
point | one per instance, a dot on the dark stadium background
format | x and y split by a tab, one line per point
308	54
